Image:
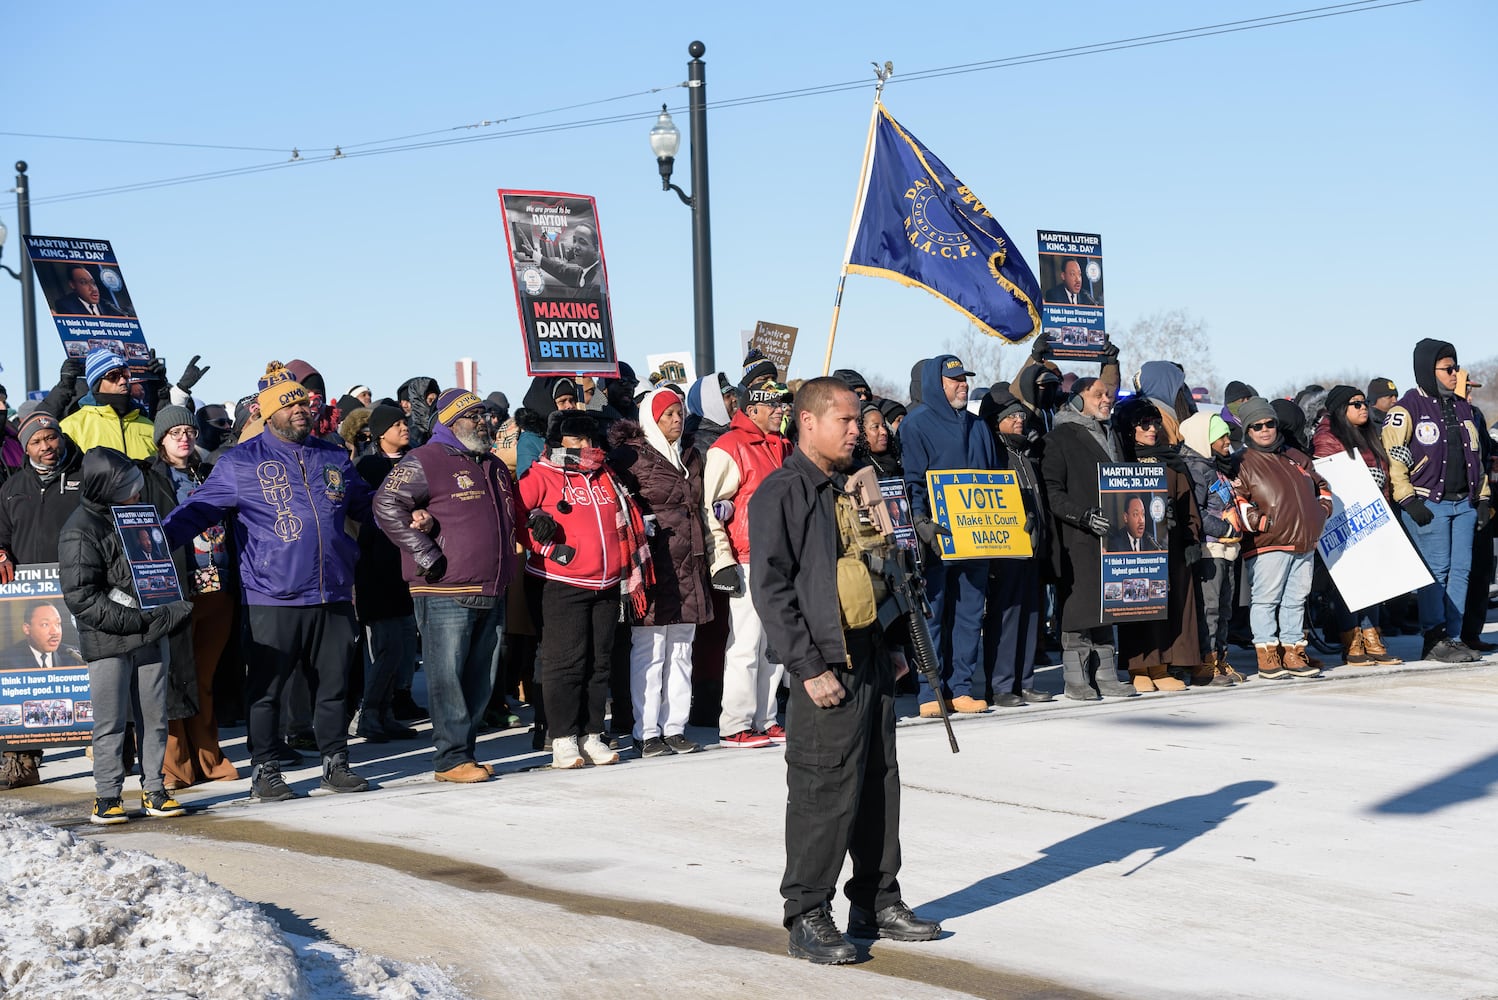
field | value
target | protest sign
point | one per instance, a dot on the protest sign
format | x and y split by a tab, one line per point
561	283
84	289
897	504
1367	553
44	696
775	342
1071	311
983	510
1136	564
675	366
146	551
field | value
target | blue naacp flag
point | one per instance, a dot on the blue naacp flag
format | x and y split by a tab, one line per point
921	226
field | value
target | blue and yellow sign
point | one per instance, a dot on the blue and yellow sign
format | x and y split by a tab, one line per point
983	510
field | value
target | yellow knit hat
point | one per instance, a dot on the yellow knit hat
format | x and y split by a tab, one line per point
278	388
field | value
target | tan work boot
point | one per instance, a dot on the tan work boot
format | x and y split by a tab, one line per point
1375	650
1353	653
466	773
1160	675
1142	682
968	706
1270	667
1297	664
931	710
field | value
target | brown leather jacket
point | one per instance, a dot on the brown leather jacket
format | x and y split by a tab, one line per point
1283	501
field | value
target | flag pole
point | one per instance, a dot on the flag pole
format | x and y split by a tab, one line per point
883	73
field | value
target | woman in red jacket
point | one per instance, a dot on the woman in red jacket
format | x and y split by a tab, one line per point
585	544
1346	429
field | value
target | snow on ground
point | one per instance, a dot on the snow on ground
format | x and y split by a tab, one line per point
82	918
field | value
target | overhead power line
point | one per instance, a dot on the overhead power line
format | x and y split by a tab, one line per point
398	144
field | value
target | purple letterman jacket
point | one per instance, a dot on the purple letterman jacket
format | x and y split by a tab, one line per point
472	499
1415	438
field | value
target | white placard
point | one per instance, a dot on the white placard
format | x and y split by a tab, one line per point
1366	551
676	366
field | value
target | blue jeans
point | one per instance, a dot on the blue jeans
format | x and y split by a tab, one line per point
460	650
1445	544
1278	585
956	592
391	646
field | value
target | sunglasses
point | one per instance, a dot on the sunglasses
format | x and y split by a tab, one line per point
1263	425
1449	369
1361	404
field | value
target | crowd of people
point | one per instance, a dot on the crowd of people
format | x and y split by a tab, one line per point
592	554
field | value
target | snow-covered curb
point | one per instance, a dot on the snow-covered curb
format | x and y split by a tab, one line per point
82	919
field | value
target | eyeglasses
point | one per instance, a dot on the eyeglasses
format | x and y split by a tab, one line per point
1361	404
178	433
1449	369
1264	425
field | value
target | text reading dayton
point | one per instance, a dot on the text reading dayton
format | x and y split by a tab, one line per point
921	226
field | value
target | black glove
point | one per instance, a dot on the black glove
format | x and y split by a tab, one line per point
1170	515
929	531
436	571
1041	346
71	371
1192	555
156	368
542	526
1484	513
191	375
1094	521
562	554
1419	513
726	580
1029	524
165	619
1109	352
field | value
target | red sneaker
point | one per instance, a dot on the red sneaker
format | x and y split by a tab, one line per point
776	733
747	740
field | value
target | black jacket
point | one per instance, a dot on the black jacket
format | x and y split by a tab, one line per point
380	591
1074	450
32	514
793	566
93	566
182	678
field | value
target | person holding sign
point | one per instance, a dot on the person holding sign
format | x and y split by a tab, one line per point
123	644
942	434
1082	441
1149	648
1283	504
1347	429
1437	477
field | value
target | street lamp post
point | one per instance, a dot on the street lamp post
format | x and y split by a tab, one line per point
28	292
665	139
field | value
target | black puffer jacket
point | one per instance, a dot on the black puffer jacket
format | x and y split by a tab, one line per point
32	512
96	580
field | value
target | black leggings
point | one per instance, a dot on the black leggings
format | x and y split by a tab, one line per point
577	642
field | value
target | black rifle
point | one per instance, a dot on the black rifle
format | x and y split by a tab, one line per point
901	572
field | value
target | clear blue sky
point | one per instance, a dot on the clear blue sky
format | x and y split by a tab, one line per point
1311	191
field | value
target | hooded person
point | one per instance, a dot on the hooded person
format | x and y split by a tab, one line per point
546	396
457	569
586	547
665	478
1438	480
856	382
1040	390
416	396
108	416
1292	423
1081	441
615	401
1164	383
1232	400
1150	648
1206	450
894	413
917	371
325	414
122	643
1016	600
711	402
940	435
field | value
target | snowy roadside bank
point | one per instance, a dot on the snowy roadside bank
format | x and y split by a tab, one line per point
80	917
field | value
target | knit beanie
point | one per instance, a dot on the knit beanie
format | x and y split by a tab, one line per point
382	418
1380	388
757	368
100	362
278	388
172	416
1235	391
1339	396
1216	428
453	403
36	421
565	387
1255	409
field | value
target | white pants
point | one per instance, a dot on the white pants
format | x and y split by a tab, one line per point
750	679
660	678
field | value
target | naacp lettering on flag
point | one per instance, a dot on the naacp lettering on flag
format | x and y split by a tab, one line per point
920	225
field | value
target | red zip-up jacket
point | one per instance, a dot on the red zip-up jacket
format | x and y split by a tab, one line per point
588	522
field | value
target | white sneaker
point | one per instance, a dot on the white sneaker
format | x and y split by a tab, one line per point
564	753
598	751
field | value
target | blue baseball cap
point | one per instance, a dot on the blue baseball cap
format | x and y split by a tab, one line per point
951	366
